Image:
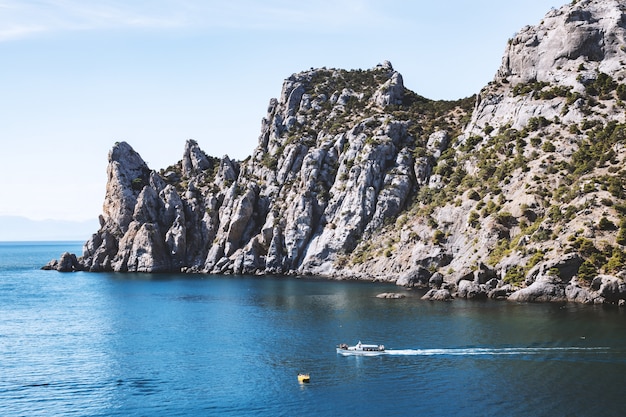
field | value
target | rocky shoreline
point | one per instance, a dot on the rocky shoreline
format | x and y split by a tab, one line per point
515	193
481	284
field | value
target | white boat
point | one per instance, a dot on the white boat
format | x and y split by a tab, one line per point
361	349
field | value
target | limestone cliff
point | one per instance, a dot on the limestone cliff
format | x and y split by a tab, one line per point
336	160
516	192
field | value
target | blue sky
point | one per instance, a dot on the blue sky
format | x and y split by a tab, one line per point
79	75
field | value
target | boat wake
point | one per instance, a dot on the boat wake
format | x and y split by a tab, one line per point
494	351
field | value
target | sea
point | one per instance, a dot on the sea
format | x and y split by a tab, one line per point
111	344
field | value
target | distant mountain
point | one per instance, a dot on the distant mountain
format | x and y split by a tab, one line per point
15	228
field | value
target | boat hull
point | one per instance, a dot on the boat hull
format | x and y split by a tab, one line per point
349	352
360	349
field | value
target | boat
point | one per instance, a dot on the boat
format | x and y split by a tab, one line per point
362	349
304	378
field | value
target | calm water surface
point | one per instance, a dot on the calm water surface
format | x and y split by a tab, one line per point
178	345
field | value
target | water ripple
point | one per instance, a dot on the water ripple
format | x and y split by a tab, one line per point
111	345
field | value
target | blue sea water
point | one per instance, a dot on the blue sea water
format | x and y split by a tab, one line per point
108	344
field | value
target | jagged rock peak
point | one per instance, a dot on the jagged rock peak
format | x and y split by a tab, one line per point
385	65
123	153
127	175
194	159
339	86
587	34
318	100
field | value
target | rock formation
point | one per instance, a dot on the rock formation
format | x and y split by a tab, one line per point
515	193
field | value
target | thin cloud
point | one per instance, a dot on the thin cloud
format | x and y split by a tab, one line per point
25	19
18	32
318	15
21	19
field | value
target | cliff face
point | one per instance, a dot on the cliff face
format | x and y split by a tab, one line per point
336	159
356	176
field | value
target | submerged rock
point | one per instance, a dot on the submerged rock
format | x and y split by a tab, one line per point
392	295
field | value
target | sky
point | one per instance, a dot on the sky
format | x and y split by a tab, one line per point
78	75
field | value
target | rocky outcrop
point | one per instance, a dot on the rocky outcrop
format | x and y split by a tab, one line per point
609	289
442	294
565	267
515	193
420	278
471	290
544	289
331	167
579	294
67	263
584	32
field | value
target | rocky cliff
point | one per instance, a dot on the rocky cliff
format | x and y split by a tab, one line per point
514	193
